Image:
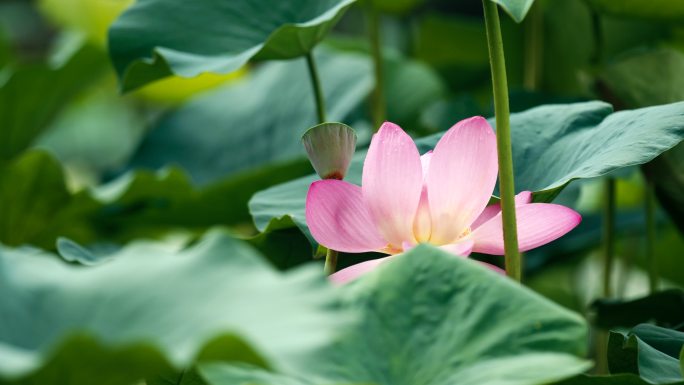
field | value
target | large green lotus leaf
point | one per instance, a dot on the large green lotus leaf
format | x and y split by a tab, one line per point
650	351
249	125
157	38
36	206
429	318
53	84
552	145
154	312
660	10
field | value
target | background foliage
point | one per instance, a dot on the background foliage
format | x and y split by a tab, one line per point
152	186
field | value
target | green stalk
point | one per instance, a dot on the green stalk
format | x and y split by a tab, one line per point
534	46
317	90
378	101
330	262
608	236
503	139
650	209
330	255
597	31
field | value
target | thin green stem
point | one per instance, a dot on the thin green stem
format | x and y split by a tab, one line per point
534	46
597	32
601	352
330	255
650	209
330	262
316	85
503	139
608	236
378	101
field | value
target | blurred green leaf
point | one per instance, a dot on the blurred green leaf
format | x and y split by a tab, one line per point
152	313
73	252
517	9
156	38
410	87
435	39
567	52
658	10
46	86
186	377
650	351
420	325
222	374
665	307
396	6
581	140
667	173
618	379
443	113
257	122
644	79
96	133
5	50
145	203
36	206
647	78
623	37
91	17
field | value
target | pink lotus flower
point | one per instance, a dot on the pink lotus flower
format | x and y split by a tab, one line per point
439	198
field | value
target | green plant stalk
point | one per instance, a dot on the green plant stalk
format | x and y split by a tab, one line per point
534	46
597	31
650	210
503	140
330	255
316	85
378	101
330	262
608	236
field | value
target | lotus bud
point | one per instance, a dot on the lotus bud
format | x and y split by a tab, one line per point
330	147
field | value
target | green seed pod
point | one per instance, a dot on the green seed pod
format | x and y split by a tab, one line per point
330	147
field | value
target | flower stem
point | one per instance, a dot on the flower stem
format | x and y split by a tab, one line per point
316	84
330	255
608	236
534	46
650	209
378	101
330	262
503	139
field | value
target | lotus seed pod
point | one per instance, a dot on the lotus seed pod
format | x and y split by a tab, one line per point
330	147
